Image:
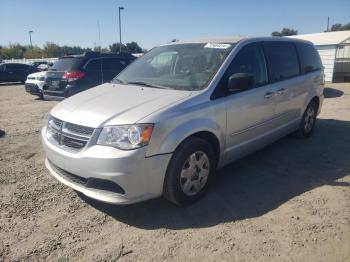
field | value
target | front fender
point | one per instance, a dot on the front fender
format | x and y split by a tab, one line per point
169	141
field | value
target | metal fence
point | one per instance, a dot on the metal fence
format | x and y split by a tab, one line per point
28	61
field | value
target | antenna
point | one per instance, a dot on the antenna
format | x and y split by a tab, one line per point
99	43
99	34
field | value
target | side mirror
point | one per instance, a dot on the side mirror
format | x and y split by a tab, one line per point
240	81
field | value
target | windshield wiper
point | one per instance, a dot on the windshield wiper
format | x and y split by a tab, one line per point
118	80
141	83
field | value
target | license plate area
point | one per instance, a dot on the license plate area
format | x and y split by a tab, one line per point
55	83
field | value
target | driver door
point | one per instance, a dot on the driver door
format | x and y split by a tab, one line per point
250	113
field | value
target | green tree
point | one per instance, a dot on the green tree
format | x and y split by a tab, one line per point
35	52
53	50
285	32
340	27
133	47
114	48
101	49
74	50
15	51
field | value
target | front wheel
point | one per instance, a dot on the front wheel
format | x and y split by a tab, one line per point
189	172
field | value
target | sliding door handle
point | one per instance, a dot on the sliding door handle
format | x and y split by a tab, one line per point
269	94
281	91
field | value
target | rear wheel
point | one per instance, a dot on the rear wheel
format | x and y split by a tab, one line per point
308	121
189	172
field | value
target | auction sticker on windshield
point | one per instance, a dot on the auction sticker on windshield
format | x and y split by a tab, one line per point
216	45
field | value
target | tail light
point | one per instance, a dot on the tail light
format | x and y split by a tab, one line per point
73	75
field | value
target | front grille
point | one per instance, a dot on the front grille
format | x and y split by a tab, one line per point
68	135
32	88
79	129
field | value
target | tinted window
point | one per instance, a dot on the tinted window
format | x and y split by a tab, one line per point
283	60
309	58
113	64
250	60
66	64
19	67
94	65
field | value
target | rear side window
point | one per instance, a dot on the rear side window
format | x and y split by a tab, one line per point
309	58
66	64
113	64
283	60
94	65
250	60
18	67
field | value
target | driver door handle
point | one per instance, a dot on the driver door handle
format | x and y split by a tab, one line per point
269	94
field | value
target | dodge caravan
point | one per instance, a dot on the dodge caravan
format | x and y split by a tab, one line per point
180	112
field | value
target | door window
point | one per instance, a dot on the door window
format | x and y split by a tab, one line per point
250	60
283	60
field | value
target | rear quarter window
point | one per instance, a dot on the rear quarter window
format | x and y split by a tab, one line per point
309	58
114	64
283	60
67	64
94	65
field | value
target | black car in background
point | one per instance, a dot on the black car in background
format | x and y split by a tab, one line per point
15	72
75	73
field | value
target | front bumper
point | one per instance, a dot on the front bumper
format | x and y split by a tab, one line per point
139	177
32	88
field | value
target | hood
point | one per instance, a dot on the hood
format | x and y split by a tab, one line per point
113	104
38	74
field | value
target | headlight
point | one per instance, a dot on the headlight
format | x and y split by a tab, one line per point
126	137
40	78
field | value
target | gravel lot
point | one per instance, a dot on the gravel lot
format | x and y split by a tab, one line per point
287	202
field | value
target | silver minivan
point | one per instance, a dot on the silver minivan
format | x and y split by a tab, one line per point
180	112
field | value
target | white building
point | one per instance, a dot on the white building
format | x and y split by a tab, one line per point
334	49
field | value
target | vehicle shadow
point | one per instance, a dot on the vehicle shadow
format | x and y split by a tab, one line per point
11	84
332	92
254	185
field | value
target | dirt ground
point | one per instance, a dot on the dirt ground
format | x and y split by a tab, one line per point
287	202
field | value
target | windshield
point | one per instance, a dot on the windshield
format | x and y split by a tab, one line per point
178	66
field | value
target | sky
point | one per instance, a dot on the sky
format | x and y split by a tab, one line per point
154	22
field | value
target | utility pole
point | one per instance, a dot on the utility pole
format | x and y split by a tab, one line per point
30	38
327	24
120	30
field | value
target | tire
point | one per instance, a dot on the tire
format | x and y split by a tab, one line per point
185	183
308	121
41	96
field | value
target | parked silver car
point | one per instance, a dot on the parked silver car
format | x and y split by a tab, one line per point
175	115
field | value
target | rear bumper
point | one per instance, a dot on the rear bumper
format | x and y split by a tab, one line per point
139	177
321	98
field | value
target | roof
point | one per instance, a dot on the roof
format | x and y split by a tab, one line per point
231	40
93	54
326	38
